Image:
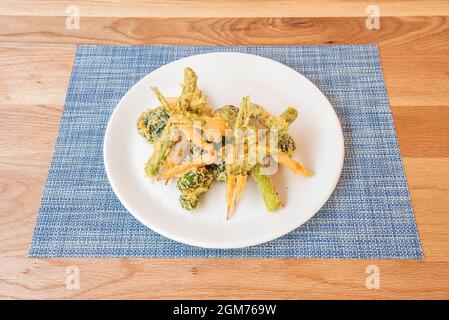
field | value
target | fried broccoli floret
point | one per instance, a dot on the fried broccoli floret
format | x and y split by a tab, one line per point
152	122
218	171
228	113
189	199
195	178
193	183
286	144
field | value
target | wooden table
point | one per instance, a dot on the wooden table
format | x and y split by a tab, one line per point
36	52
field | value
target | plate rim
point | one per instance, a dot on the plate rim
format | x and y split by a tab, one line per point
202	243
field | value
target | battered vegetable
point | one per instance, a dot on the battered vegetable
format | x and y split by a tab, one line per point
195	178
286	144
191	98
266	188
237	172
192	184
218	171
223	145
189	199
162	147
228	113
152	122
289	115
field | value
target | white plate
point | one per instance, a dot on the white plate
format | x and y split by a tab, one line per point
225	78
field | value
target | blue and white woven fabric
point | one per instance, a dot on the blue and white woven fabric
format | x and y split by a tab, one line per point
369	214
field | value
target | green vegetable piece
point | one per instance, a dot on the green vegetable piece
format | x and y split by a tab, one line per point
289	115
286	144
193	183
164	103
181	113
228	113
218	170
245	112
195	178
152	122
189	199
268	120
241	166
266	188
280	123
161	151
191	98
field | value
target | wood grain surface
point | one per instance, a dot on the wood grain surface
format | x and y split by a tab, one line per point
36	53
224	8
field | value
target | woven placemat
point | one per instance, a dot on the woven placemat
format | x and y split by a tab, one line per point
369	214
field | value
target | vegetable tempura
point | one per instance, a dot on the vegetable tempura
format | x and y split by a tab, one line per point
199	145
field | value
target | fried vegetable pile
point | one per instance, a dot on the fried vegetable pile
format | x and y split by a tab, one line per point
199	146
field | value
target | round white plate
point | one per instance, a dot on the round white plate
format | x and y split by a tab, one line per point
225	78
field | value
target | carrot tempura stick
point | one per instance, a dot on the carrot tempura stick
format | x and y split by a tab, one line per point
293	165
230	188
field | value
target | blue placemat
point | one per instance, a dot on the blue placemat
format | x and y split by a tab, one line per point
368	216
